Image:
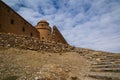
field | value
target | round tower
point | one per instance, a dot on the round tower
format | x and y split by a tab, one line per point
44	29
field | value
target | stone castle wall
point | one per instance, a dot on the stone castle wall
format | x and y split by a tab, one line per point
31	43
57	36
49	34
11	22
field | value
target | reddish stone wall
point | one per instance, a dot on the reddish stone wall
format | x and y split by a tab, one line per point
57	36
11	22
46	34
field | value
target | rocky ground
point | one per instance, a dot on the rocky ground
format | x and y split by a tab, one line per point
80	64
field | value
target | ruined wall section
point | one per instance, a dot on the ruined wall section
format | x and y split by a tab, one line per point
57	36
31	43
11	22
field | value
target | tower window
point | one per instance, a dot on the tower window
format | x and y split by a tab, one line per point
8	10
31	34
0	26
23	29
42	24
12	21
42	37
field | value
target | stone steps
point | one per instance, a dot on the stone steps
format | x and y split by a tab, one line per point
108	74
106	66
116	56
107	57
103	60
117	70
106	62
97	77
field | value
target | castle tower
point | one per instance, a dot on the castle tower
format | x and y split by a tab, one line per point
44	29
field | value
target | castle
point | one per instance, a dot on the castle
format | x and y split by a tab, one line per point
11	22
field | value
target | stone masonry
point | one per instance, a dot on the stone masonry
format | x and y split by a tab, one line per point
31	43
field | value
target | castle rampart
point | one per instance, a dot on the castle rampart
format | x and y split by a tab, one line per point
11	22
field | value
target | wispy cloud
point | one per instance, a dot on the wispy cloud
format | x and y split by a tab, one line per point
93	24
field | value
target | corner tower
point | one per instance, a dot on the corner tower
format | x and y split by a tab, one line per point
44	30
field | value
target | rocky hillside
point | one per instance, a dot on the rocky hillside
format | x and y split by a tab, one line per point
79	64
31	43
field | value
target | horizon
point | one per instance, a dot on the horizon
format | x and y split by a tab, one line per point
88	24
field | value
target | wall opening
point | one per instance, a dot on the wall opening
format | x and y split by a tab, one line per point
31	34
42	24
23	29
12	21
0	26
42	37
8	10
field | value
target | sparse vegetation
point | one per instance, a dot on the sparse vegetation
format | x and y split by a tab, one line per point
20	64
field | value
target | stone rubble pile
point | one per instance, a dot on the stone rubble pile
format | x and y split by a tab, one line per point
26	42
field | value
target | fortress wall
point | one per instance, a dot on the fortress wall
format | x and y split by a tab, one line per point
11	22
31	43
57	36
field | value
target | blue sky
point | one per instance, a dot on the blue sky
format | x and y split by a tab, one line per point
93	24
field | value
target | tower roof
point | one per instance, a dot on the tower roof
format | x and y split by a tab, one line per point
43	21
43	24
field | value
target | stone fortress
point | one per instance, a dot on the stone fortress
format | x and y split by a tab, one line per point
11	22
25	53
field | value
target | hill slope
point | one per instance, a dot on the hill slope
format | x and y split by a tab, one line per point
82	64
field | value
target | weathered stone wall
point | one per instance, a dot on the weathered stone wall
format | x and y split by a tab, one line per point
49	34
57	36
11	22
31	43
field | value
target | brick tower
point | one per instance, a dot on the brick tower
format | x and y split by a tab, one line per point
44	29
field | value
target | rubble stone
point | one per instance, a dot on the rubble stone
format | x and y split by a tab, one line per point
30	43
